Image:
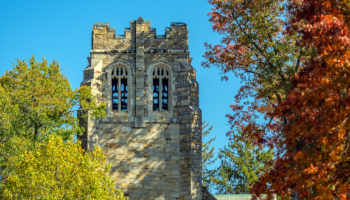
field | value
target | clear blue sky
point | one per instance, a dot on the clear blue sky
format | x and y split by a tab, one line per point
62	30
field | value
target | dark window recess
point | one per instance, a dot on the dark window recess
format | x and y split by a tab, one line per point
115	94
155	94
124	94
164	94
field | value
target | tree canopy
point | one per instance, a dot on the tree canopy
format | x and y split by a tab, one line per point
293	60
36	100
56	169
255	49
315	143
241	165
208	156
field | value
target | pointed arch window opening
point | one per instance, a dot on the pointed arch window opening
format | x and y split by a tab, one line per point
115	94
160	89
124	94
165	94
119	80
156	94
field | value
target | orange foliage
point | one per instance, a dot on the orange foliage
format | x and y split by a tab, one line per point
314	153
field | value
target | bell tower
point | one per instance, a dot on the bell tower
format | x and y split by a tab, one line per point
152	132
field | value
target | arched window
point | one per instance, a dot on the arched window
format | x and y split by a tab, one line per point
160	87
119	76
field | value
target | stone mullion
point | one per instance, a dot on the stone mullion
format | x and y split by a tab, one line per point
160	94
119	94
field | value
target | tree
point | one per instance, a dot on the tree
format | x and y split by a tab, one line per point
207	157
316	137
35	101
59	170
241	164
256	48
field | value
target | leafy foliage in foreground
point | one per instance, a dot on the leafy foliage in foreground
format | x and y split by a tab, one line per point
241	164
293	58
208	157
255	48
314	158
55	169
35	101
298	76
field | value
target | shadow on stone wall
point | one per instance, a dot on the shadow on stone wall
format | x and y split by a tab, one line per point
145	161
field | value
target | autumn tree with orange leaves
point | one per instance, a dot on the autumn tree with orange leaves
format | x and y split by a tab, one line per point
315	162
255	48
300	90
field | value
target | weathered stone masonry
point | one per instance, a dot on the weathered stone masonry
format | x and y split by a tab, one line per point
154	154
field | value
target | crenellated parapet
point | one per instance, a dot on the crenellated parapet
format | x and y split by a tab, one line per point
175	38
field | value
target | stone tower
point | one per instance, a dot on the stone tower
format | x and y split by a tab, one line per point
152	133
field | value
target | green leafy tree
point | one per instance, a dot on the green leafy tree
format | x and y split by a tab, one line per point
256	48
208	157
241	164
36	100
58	169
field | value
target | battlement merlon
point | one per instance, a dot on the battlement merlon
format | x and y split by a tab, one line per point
104	37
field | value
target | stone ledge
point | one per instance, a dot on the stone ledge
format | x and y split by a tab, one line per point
147	120
113	51
86	82
102	24
160	36
144	22
239	197
134	51
119	36
178	24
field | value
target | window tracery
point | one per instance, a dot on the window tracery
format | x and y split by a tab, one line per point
160	76
119	76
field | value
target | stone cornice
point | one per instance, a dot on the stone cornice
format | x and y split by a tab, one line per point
147	120
173	51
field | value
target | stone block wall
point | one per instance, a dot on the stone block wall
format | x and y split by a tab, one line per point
190	131
145	161
154	154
